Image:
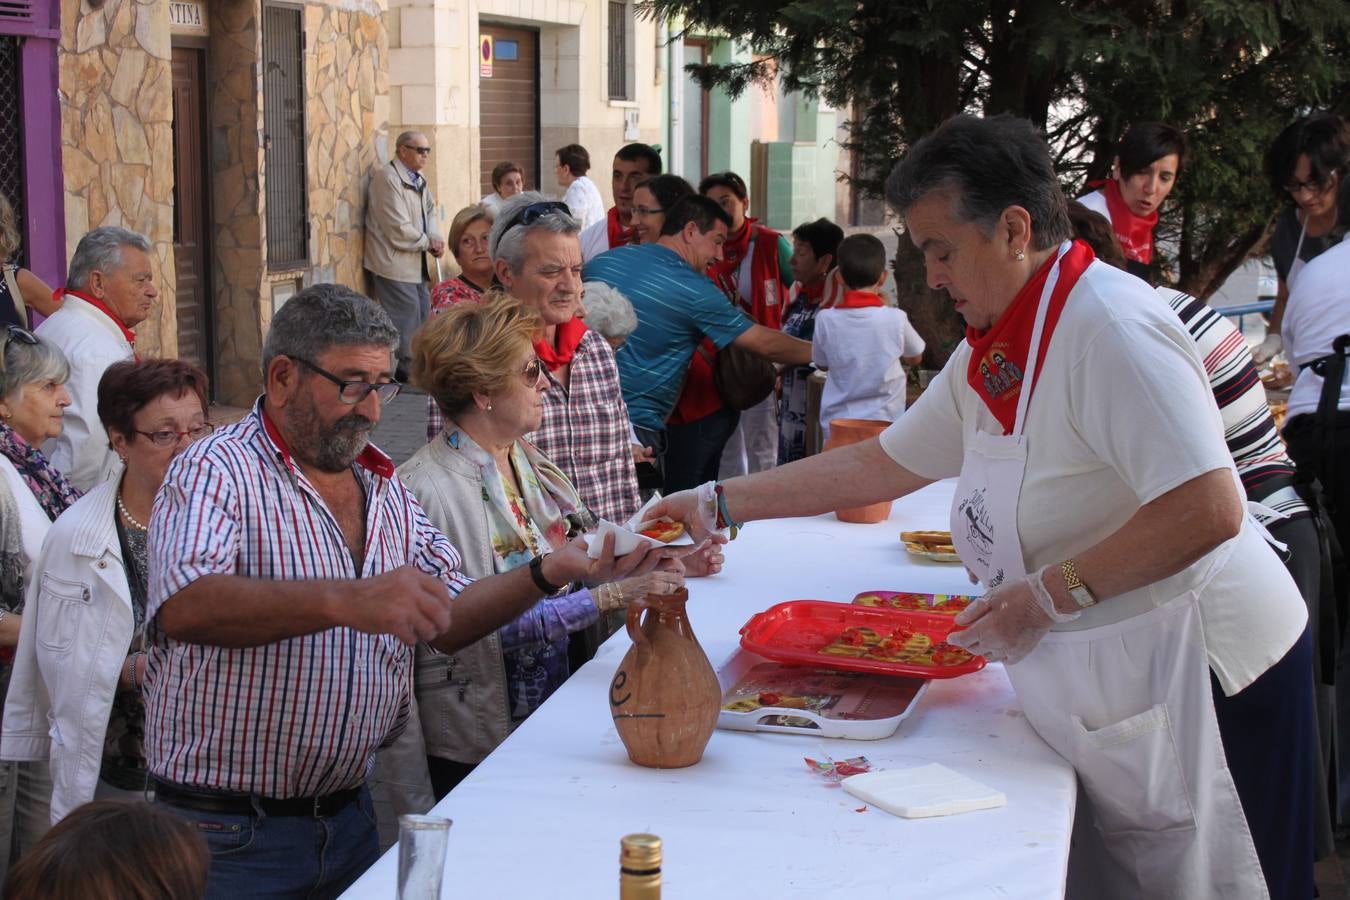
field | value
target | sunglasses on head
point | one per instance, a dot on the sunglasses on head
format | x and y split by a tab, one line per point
15	333
535	211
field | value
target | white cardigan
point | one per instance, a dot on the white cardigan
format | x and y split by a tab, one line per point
77	628
32	517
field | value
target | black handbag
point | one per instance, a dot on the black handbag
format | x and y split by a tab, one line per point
742	378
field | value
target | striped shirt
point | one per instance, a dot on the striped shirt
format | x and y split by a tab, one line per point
300	717
676	308
1264	466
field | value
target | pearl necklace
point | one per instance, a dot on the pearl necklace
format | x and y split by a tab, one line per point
131	520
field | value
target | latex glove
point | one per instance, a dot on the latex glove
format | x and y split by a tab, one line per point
1266	350
696	508
1008	622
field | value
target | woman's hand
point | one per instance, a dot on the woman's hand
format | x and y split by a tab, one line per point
1009	621
619	595
707	561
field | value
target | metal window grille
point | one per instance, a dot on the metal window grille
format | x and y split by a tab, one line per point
11	125
284	120
618	50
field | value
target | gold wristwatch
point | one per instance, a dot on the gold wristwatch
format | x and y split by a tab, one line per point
1077	590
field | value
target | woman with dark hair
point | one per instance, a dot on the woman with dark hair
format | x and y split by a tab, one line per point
1153	637
1307	167
469	244
755	272
76	692
651	198
114	850
20	290
1143	173
508	179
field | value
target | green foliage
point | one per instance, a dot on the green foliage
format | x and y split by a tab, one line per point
1231	73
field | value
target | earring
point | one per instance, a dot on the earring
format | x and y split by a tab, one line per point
1019	256
488	408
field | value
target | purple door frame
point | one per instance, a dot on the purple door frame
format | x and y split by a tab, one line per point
44	187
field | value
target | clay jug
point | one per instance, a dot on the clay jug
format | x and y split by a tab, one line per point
665	695
853	431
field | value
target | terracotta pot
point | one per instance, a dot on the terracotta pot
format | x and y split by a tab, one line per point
664	696
852	431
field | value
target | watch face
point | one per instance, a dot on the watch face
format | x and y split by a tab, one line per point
1082	596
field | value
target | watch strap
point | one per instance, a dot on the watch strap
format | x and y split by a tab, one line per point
537	575
1077	590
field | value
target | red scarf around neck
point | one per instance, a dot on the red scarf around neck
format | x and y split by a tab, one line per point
998	357
101	307
568	336
858	300
1135	233
810	293
619	234
762	301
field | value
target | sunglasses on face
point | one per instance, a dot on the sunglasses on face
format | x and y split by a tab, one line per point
533	369
420	151
353	392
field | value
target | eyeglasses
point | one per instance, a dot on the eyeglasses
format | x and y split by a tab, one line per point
353	392
533	369
1312	186
648	210
532	213
169	438
420	151
15	333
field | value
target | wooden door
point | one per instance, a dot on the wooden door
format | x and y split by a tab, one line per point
508	104
191	209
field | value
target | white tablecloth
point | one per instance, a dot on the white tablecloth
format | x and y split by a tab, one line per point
542	816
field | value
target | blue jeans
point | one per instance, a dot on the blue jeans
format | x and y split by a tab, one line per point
258	856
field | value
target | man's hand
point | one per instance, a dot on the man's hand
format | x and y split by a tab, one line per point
437	247
642	454
405	602
572	563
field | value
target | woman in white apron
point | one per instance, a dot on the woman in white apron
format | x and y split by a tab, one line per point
1307	168
1144	620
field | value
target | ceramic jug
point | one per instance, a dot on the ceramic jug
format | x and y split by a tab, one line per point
664	696
853	431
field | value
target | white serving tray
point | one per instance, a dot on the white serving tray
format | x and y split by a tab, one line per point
856	690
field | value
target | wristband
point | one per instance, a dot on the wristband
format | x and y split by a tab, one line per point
537	574
724	519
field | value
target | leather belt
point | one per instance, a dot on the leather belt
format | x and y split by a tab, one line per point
247	805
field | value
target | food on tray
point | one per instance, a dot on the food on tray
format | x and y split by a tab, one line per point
901	646
943	604
934	545
663	530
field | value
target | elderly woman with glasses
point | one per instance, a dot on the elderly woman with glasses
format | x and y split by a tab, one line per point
33	397
1153	637
503	503
75	694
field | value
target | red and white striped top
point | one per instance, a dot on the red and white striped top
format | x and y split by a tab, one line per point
300	717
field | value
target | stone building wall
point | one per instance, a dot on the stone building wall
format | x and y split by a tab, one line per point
117	139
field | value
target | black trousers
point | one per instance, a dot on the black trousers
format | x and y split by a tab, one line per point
694	449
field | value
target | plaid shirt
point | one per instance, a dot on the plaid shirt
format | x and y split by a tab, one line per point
585	431
299	717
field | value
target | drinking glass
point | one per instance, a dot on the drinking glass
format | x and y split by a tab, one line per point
421	856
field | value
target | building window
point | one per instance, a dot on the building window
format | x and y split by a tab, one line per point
620	49
284	144
11	125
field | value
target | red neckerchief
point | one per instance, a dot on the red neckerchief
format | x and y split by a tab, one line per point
1135	233
810	293
618	234
567	335
766	284
101	307
370	458
998	357
858	300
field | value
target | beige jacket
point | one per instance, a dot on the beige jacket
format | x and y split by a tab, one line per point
395	236
461	697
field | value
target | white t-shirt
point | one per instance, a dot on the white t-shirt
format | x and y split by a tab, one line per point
595	239
862	347
1317	314
1122	413
493	201
33	520
583	199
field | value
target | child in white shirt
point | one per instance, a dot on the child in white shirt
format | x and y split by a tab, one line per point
863	343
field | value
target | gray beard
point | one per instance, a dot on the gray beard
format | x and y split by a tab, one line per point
335	448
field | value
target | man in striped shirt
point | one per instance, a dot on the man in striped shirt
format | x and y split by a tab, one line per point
290	574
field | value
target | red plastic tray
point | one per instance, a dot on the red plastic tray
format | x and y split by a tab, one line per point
936	604
798	630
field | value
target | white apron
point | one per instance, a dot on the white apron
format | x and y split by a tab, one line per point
1127	704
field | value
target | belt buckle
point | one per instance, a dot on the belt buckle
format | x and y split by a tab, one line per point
317	810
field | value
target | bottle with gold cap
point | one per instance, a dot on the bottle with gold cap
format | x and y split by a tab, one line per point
640	867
